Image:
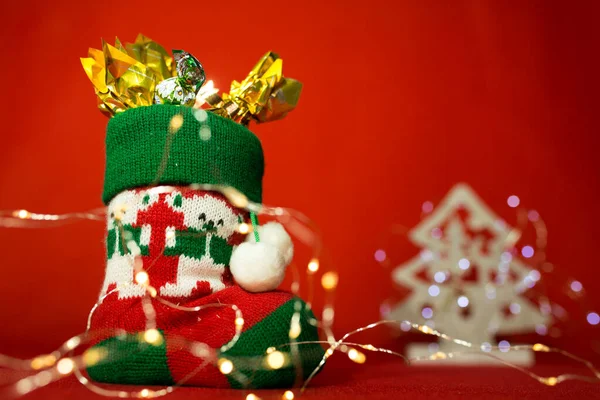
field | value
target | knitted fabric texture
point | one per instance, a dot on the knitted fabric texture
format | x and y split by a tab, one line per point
185	239
141	150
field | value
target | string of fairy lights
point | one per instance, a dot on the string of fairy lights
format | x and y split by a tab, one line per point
63	362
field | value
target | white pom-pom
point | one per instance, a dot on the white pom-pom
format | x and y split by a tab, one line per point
257	267
274	233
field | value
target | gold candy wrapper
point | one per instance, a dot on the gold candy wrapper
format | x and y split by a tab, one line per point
126	76
265	95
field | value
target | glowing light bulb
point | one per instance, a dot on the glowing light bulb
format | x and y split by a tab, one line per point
313	265
92	357
239	322
550	381
225	366
540	347
295	330
462	301
144	393
243	228
288	395
252	396
23	214
65	366
438	356
276	360
176	123
329	280
153	337
357	356
142	278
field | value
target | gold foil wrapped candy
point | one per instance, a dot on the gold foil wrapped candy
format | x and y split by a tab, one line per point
126	76
143	73
265	95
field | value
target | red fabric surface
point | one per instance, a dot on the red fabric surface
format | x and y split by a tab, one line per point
385	379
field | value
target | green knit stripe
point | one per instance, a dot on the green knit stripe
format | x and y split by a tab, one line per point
133	363
136	141
192	243
273	331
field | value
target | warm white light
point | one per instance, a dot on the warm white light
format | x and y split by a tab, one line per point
225	366
142	277
288	395
295	330
252	396
357	356
275	360
23	214
244	228
65	366
313	265
329	280
153	337
176	123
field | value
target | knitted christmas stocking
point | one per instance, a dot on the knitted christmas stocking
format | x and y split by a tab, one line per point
191	248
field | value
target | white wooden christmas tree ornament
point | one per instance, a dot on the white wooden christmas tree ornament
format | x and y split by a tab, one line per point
474	285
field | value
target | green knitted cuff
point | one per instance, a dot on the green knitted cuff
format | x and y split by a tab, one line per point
136	143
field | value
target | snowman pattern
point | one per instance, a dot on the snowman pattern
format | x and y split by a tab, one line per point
203	247
196	240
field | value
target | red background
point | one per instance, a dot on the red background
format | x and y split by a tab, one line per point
401	101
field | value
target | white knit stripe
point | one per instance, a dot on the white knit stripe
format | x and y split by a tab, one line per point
119	271
145	235
170	239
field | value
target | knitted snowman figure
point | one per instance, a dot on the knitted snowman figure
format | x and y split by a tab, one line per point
189	244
